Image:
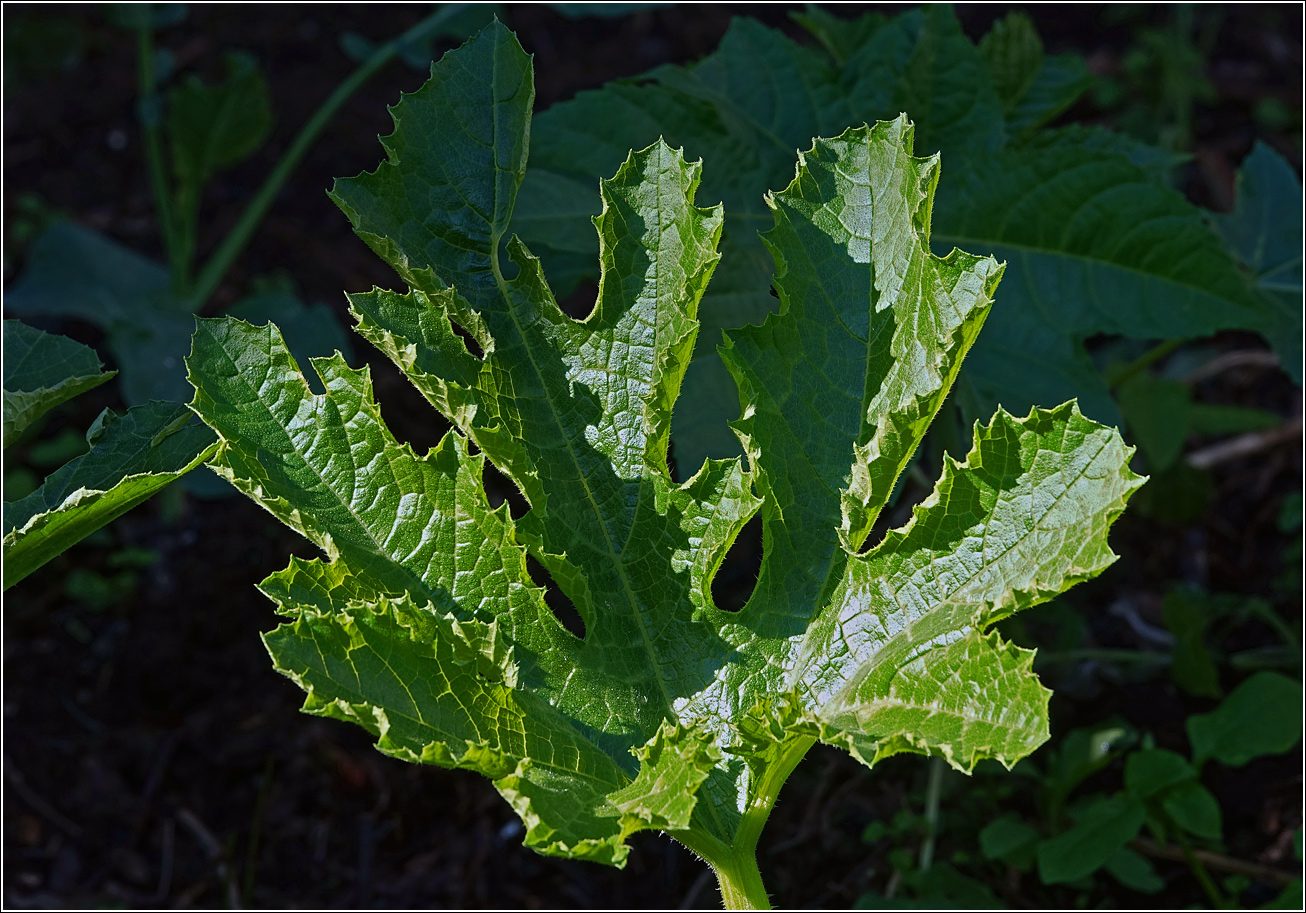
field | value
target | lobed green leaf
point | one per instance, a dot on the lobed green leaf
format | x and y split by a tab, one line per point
423	624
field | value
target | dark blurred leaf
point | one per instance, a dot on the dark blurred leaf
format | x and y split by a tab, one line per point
1060	81
42	370
1186	617
212	128
1134	871
1261	716
1152	770
603	10
1264	230
1211	418
145	15
840	37
1104	827
1010	839
1014	54
1156	411
1177	496
1081	753
76	272
1194	809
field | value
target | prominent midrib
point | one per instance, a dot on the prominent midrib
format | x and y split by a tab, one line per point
963	241
496	236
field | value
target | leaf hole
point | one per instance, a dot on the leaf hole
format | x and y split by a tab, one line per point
411	419
908	492
562	608
500	488
580	303
469	341
737	576
673	468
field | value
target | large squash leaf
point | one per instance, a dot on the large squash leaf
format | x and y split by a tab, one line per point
1094	242
422	623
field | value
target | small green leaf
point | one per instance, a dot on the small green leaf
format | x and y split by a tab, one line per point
1014	54
1187	616
212	128
1134	871
1191	806
1261	716
144	450
1157	412
1010	839
1153	770
1103	829
1265	232
41	371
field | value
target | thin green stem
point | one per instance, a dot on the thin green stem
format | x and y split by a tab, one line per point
232	246
150	115
1147	359
1199	871
1142	657
932	790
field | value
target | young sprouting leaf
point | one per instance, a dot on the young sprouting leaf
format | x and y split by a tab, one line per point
41	371
212	128
1261	716
1014	54
423	624
131	458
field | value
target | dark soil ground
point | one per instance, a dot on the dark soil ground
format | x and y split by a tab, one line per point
153	758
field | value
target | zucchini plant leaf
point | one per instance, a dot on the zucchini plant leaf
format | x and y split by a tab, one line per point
41	371
1094	242
422	623
131	458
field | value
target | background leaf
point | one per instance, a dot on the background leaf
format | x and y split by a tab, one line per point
41	371
1101	831
132	457
1261	716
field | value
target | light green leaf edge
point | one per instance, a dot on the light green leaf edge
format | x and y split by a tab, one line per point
41	371
132	458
